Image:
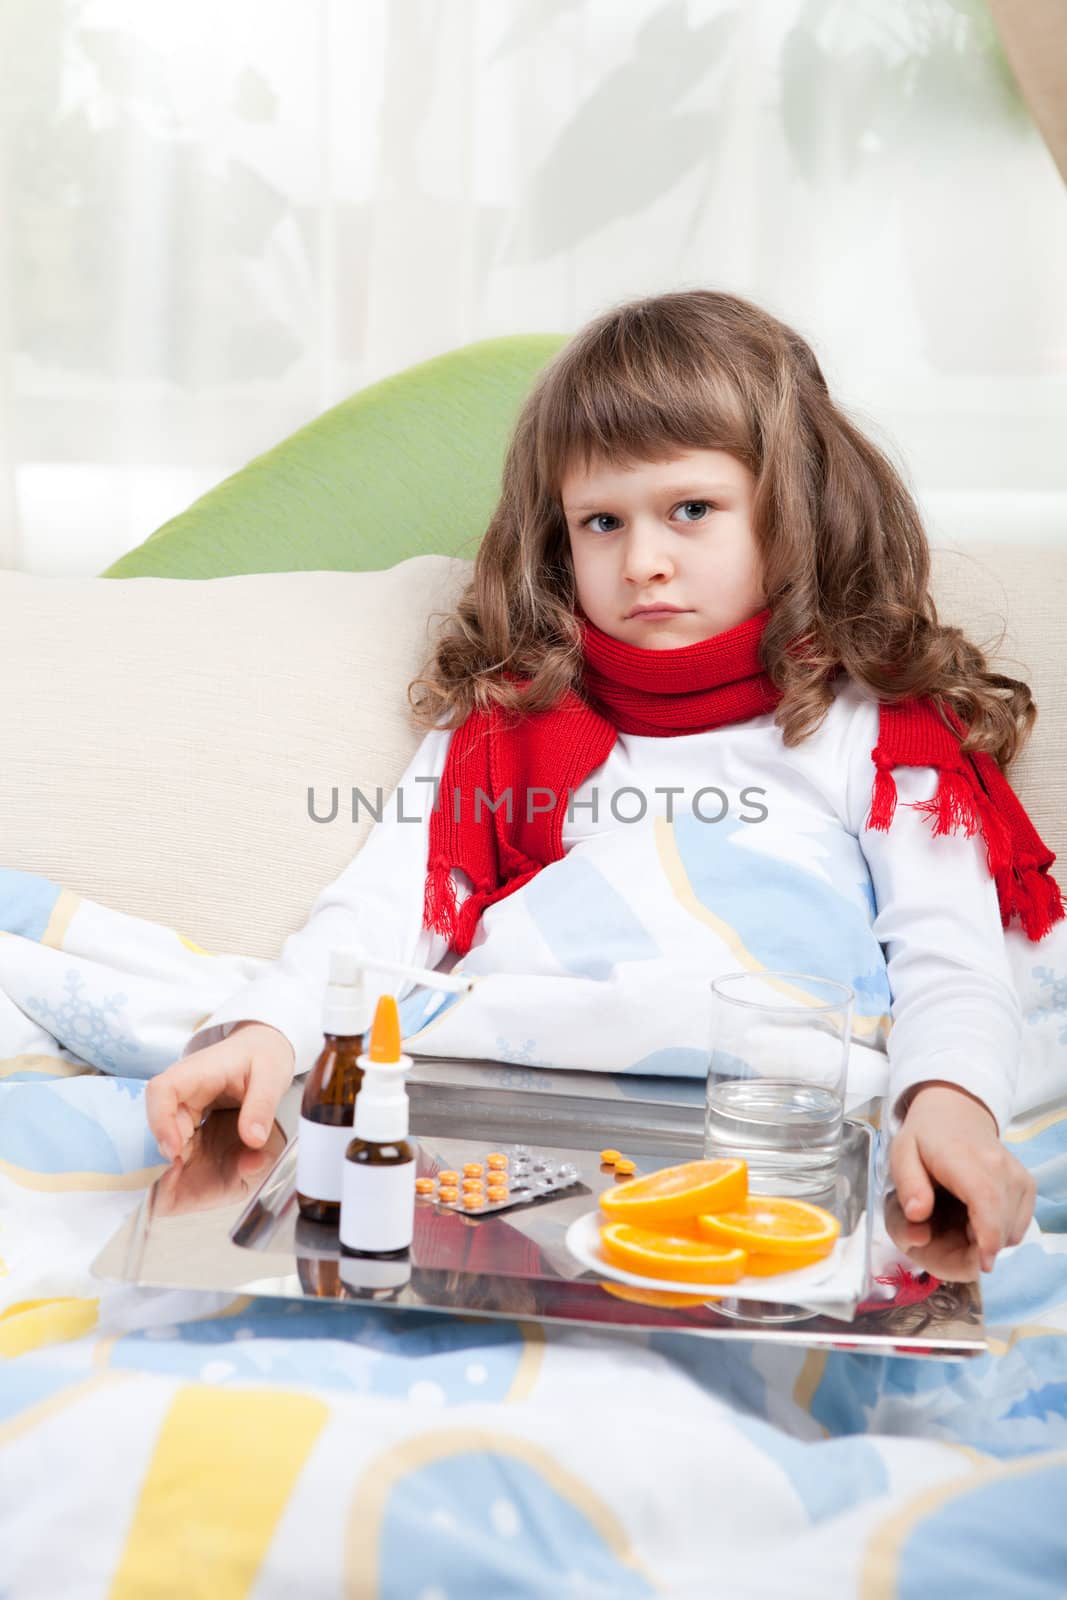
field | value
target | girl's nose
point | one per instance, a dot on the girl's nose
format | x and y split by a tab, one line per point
644	557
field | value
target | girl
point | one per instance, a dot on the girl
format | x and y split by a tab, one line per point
702	587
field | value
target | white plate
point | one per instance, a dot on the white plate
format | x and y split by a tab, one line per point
836	1278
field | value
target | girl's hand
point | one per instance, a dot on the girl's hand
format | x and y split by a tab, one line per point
949	1140
251	1068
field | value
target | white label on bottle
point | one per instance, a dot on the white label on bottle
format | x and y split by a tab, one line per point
378	1206
320	1159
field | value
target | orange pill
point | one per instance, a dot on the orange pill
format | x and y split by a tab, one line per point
609	1157
425	1185
472	1170
473	1202
624	1167
496	1195
473	1185
448	1194
497	1162
448	1178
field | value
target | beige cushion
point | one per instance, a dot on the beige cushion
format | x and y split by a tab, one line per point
158	736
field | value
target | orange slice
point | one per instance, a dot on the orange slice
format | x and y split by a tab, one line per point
770	1225
766	1266
652	1297
676	1193
665	1255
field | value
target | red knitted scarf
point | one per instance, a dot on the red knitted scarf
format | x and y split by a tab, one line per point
527	768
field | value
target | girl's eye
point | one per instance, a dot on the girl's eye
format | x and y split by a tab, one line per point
702	507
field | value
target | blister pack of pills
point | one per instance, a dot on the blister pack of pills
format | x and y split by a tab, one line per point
497	1181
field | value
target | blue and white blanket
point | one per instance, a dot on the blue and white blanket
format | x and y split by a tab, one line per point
157	1442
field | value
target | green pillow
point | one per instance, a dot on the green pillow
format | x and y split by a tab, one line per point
409	466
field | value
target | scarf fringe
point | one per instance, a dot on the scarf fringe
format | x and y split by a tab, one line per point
883	801
1034	896
961	802
954	805
440	911
1024	889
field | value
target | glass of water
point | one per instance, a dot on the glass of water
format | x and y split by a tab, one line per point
776	1077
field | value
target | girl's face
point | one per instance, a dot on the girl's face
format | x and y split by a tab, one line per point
672	533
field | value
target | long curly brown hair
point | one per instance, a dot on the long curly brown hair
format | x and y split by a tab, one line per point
846	561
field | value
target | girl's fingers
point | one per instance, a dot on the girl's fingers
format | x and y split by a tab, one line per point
914	1189
1024	1211
161	1105
981	1190
266	1085
190	1085
187	1126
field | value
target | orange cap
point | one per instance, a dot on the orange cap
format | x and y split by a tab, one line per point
385	1031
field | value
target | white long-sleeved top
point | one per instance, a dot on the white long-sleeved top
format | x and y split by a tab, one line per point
603	960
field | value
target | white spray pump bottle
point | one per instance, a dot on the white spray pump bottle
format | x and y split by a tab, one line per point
378	1186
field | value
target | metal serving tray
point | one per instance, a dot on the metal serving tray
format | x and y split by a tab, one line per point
227	1219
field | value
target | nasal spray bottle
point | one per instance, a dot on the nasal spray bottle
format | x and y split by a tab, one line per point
327	1109
378	1188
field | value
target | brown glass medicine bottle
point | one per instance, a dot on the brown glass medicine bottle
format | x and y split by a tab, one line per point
327	1110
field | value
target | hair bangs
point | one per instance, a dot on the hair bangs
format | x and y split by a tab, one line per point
603	406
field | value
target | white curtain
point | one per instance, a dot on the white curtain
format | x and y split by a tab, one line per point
216	219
